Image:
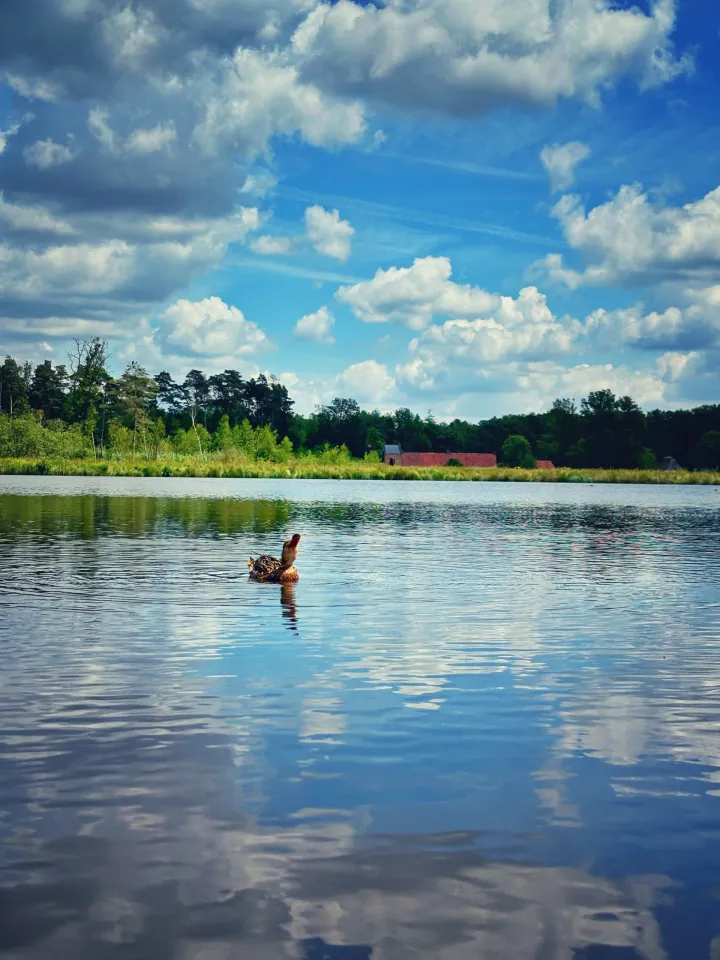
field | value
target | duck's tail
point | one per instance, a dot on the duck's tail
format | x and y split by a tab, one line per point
251	563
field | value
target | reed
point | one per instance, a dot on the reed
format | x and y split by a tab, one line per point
308	468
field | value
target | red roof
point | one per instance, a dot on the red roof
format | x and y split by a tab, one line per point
544	464
441	459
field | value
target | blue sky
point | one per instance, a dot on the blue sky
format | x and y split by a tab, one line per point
467	207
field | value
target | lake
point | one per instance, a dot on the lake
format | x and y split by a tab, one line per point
485	723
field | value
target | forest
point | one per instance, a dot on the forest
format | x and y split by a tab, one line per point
78	410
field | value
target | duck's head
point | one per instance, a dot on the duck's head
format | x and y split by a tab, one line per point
290	549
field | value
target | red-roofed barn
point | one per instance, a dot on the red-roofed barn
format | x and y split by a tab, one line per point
408	459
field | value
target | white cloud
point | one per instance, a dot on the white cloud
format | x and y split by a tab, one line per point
693	326
522	329
467	58
73	270
109	282
368	382
209	327
629	241
131	35
34	219
152	139
101	129
33	88
548	380
271	246
259	184
316	326
253	97
5	136
149	140
533	385
46	153
327	233
220	82
560	161
413	295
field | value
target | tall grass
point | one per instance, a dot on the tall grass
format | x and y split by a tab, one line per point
308	468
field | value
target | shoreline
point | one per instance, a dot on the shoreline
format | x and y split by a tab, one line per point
304	469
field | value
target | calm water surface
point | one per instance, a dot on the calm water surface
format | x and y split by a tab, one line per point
486	722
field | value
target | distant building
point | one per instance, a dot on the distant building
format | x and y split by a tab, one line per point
394	454
669	463
544	465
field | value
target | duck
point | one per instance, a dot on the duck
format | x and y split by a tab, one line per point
267	569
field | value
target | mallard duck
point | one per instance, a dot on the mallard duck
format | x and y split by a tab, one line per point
268	569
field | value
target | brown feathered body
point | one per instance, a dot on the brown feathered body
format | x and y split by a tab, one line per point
267	569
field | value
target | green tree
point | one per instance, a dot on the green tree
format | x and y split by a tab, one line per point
517	452
706	452
197	391
88	377
266	443
615	430
244	439
223	438
170	394
47	390
283	451
156	435
374	439
134	392
13	387
228	392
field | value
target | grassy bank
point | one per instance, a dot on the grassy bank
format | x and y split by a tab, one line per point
307	468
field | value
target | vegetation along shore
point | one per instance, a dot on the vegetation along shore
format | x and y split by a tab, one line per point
78	419
310	468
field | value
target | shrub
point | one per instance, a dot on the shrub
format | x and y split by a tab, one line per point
517	452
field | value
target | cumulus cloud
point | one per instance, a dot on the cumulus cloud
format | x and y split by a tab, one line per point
630	241
532	384
316	326
46	153
155	138
369	381
519	329
413	295
110	282
255	96
33	88
560	161
6	134
270	246
209	328
327	233
149	117
31	219
101	129
693	325
468	58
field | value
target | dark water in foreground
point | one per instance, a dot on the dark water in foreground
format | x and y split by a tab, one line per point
486	723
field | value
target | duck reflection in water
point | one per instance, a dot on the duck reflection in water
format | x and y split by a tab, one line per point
289	609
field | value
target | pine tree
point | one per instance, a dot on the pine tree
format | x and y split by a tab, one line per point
134	391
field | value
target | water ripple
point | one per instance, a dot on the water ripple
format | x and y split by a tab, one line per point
486	722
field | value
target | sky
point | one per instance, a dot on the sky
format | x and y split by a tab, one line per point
469	207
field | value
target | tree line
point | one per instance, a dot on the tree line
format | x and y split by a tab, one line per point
83	410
